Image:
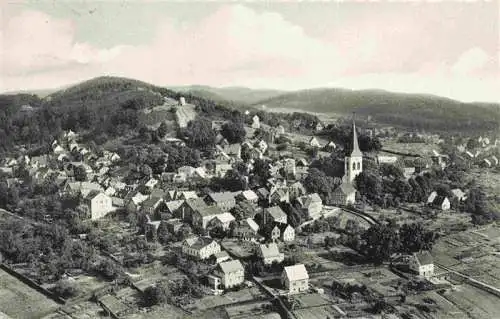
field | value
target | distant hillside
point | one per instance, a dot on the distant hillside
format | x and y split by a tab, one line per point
408	110
236	94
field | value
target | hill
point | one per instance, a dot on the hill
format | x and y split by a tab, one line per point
408	110
241	95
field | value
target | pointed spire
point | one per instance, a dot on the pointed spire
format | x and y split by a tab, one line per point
355	147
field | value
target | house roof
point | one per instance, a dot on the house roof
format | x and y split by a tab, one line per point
152	201
188	195
276	212
196	204
269	250
210	211
457	192
296	272
92	194
252	224
283	227
424	258
221	196
262	192
439	200
174	205
249	195
225	217
196	242
221	254
231	266
346	188
307	200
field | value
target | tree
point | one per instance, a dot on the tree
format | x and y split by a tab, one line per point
162	130
414	237
380	242
199	134
163	233
369	184
80	174
318	182
65	289
156	294
108	269
234	132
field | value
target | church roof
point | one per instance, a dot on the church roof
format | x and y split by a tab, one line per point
355	147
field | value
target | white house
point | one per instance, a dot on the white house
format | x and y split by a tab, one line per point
230	274
422	263
314	142
295	279
270	253
200	247
99	204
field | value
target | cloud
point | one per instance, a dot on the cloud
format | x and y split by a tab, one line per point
470	61
237	45
34	41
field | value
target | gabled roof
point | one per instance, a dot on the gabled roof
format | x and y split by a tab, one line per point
249	195
196	204
439	200
221	196
252	224
152	201
276	212
269	250
296	272
210	211
457	192
92	194
307	200
196	242
424	258
231	266
346	188
225	217
174	205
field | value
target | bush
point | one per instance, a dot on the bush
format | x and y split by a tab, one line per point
156	294
65	289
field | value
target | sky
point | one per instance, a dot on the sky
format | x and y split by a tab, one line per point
447	48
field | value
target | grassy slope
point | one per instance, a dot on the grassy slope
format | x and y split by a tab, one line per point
424	111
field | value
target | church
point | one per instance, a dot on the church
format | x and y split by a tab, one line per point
346	193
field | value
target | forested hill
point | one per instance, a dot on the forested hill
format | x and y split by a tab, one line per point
407	110
105	107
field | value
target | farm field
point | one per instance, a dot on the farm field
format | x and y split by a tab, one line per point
475	302
18	300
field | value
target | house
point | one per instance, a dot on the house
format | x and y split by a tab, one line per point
311	204
233	150
221	169
249	196
255	153
280	129
313	142
151	183
386	159
152	204
221	256
441	202
262	146
319	127
188	171
275	233
152	227
99	204
59	150
262	193
190	207
345	194
174	206
422	263
274	215
408	172
296	190
224	200
287	233
295	279
279	195
203	216
458	194
186	195
289	168
174	225
81	187
200	247
246	229
270	253
432	197
222	220
231	274
255	122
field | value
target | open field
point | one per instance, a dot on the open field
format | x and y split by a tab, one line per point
472	252
442	307
18	300
475	302
411	148
209	302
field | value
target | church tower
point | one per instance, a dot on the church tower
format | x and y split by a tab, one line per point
354	162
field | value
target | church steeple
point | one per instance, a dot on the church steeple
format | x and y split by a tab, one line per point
355	147
354	162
